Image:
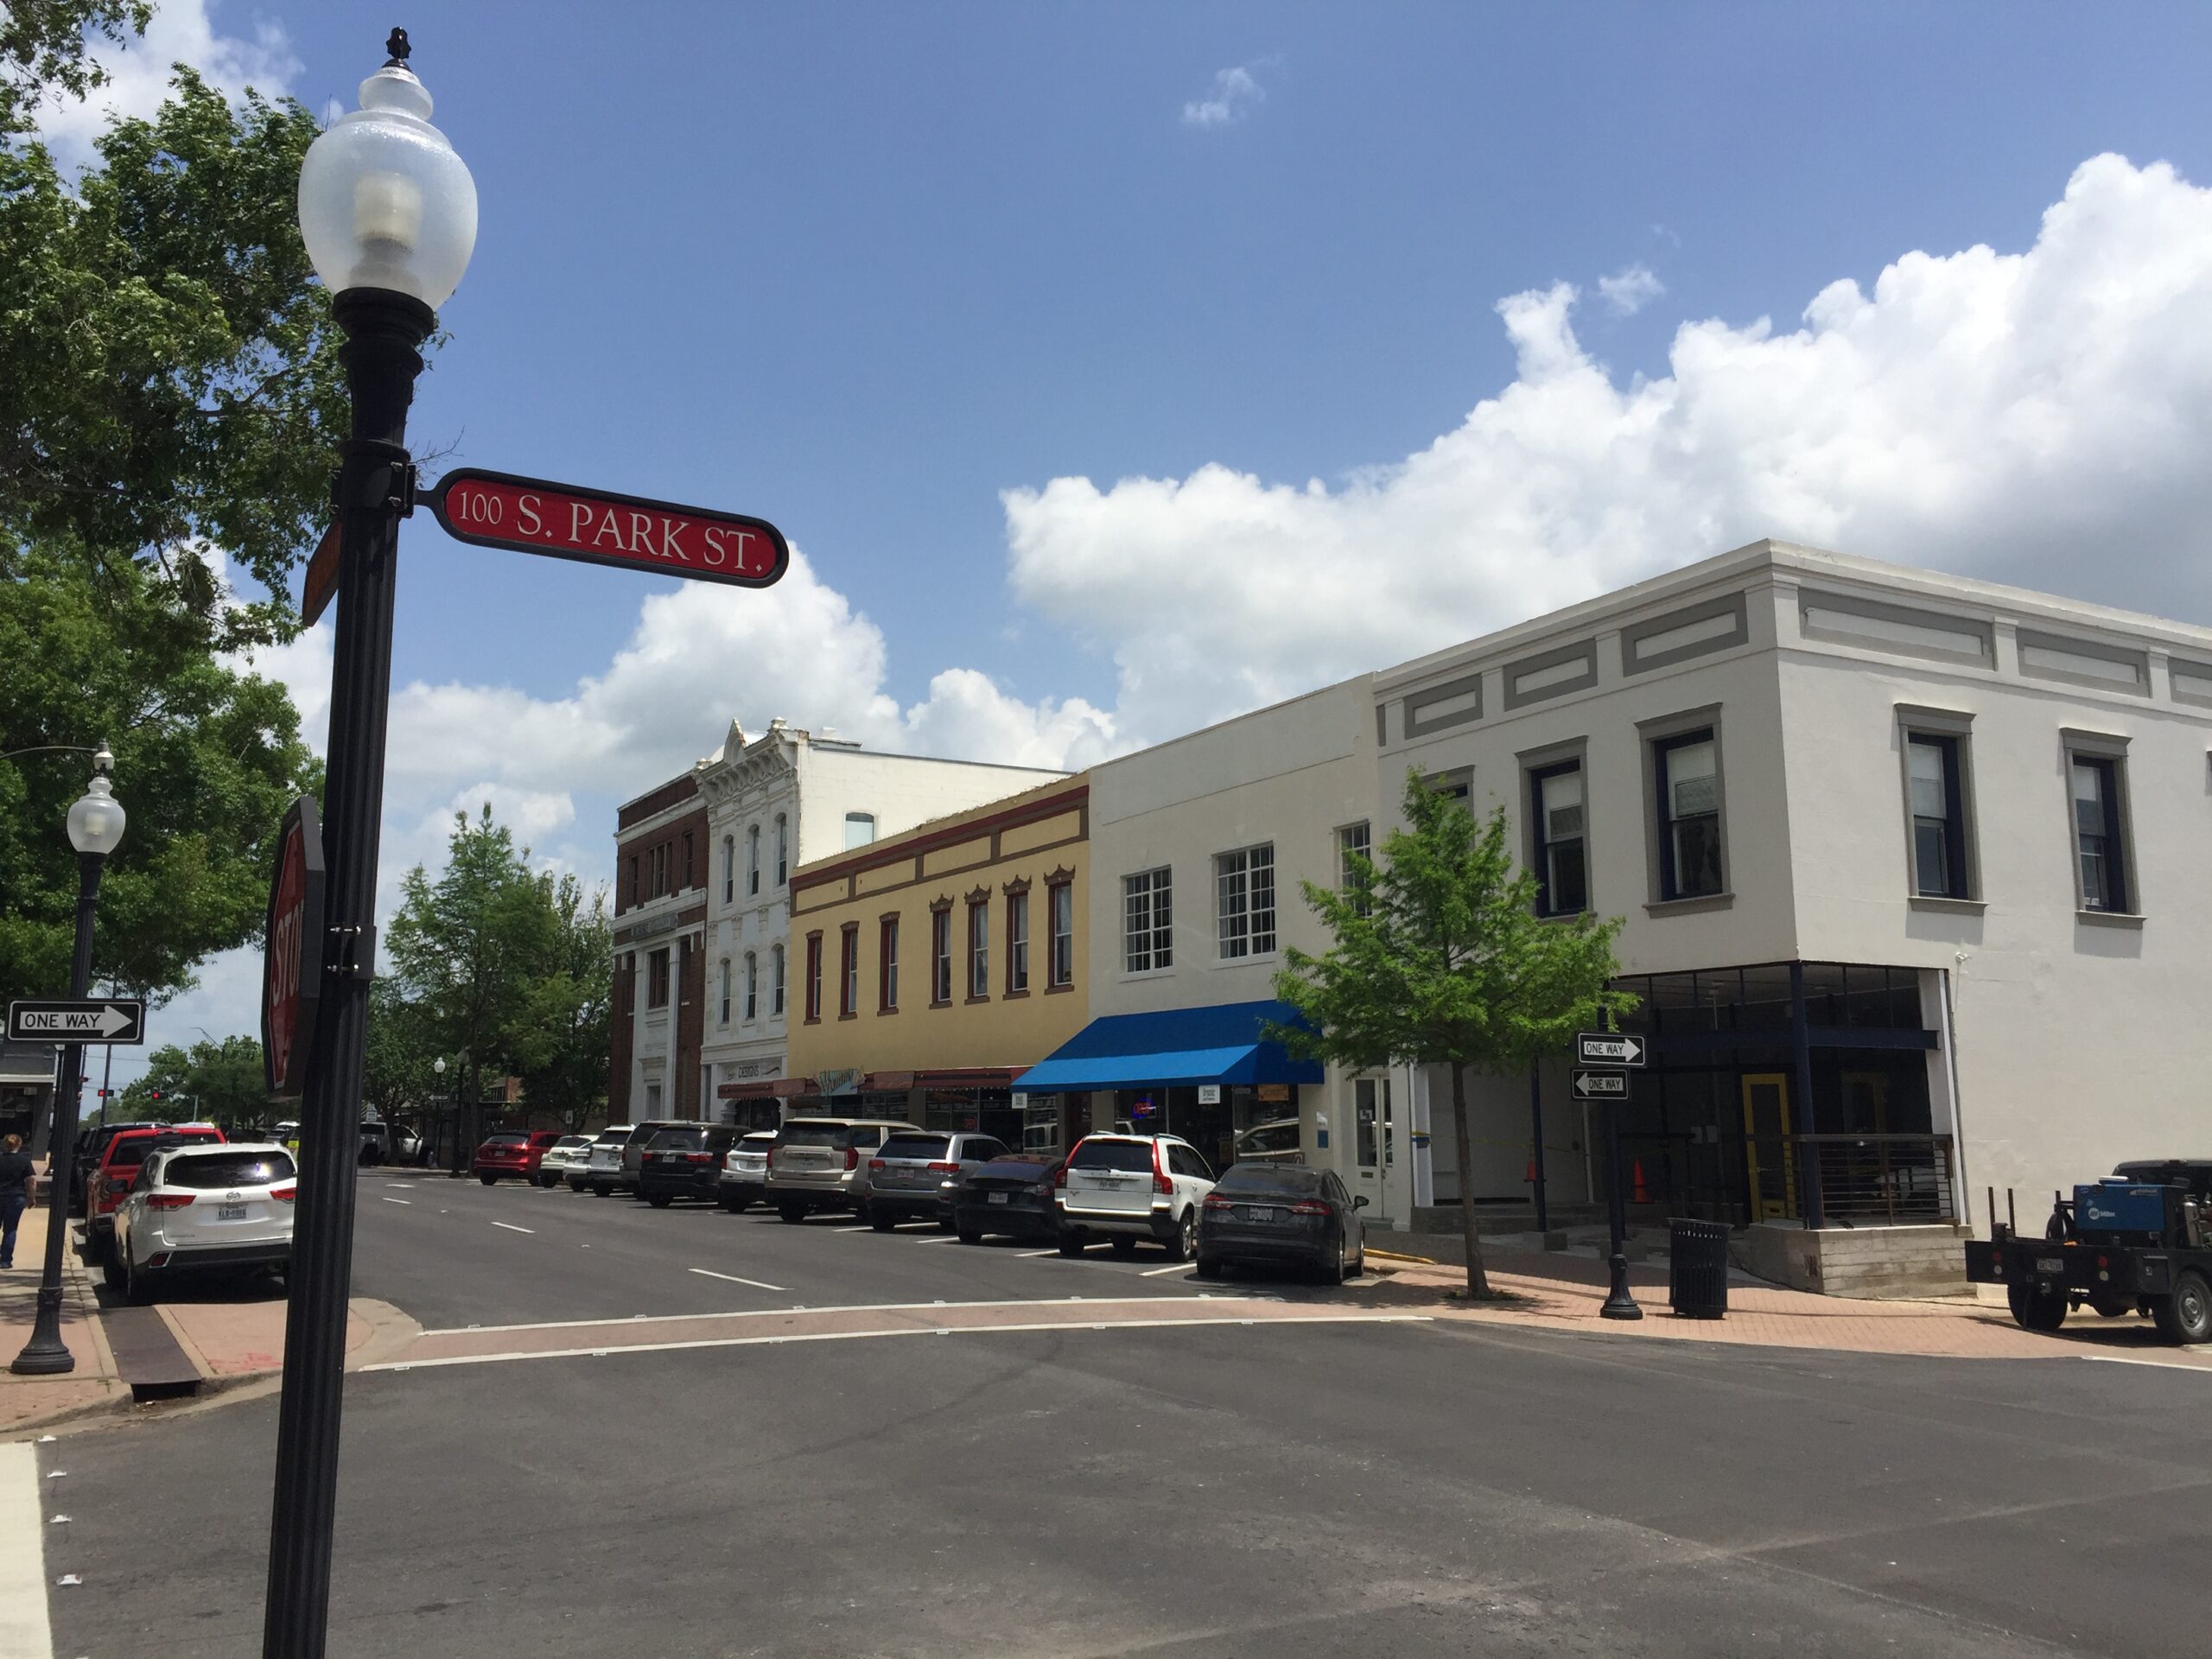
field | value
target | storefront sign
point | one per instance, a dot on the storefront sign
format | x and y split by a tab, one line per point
1274	1093
1209	1094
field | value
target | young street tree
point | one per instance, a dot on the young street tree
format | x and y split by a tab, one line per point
561	1035
1440	958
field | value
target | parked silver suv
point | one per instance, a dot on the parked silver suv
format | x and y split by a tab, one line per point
913	1174
821	1163
1127	1187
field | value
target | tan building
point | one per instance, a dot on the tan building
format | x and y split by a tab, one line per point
936	965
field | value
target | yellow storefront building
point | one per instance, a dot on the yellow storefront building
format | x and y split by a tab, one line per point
936	965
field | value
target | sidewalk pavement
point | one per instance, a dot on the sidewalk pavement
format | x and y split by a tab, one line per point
229	1337
1554	1292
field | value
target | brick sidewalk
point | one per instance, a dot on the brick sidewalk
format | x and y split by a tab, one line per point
92	1386
1559	1293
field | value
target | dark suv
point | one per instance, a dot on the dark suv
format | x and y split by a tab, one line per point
685	1163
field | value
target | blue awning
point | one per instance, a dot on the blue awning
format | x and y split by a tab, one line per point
1173	1047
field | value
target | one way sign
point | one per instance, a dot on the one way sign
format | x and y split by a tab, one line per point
89	1020
1607	1048
1600	1086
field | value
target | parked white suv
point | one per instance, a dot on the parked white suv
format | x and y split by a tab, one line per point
193	1207
602	1162
1125	1187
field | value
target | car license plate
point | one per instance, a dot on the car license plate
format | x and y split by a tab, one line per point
2056	1264
1259	1212
230	1213
999	1198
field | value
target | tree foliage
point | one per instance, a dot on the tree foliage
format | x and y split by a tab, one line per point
560	1038
44	48
221	1082
1440	958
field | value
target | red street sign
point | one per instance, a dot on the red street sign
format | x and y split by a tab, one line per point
322	578
532	516
291	963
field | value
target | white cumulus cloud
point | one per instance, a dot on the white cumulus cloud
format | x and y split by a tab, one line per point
1234	95
1629	289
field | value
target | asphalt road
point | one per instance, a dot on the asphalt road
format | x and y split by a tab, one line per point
1404	1489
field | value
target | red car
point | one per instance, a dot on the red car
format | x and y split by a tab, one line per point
106	1186
511	1152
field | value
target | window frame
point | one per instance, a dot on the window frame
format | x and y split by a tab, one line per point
725	992
853	818
1536	773
783	849
752	861
1017	939
656	976
1357	837
849	971
729	869
941	954
1660	739
979	947
776	981
1059	934
814	978
2108	755
1247	859
886	966
1158	928
752	987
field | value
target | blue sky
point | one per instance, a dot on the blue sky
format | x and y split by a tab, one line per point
864	269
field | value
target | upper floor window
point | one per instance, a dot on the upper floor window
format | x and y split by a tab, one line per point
657	979
1060	900
2100	843
1562	874
1148	920
941	954
1017	943
979	948
686	858
860	830
752	859
635	894
1688	772
1354	842
886	989
849	971
1244	893
813	976
1935	793
729	868
783	849
725	991
751	986
775	981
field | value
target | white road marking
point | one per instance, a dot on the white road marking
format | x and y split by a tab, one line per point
733	1279
1027	1255
909	1330
863	1227
2162	1364
399	1200
403	1186
24	1630
1172	1266
947	1238
846	1307
511	1228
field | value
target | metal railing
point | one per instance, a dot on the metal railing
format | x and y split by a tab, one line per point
1879	1180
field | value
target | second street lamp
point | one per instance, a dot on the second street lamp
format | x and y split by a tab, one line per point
388	212
96	825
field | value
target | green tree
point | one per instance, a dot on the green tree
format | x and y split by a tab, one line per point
398	1079
43	49
559	1039
467	948
1440	958
222	1083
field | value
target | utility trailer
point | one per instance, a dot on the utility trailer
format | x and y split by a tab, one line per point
2138	1241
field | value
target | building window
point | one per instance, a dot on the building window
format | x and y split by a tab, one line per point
783	847
657	979
729	868
860	830
1244	892
1935	792
1017	943
2099	847
813	977
775	981
1355	840
941	954
849	971
979	948
1455	786
751	986
635	894
1149	921
752	859
686	858
886	989
725	991
1059	899
1688	770
1562	872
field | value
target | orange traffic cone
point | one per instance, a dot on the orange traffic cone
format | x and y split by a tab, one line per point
1531	1176
1636	1194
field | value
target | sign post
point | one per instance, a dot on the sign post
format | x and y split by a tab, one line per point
291	968
1613	1050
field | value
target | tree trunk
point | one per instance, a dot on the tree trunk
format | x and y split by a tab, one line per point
1464	1141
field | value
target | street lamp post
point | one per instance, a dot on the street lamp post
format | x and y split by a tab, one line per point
388	212
1619	1303
95	830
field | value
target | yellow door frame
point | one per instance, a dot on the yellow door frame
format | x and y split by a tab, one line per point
1763	1208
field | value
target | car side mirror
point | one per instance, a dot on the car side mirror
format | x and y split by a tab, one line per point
1360	1202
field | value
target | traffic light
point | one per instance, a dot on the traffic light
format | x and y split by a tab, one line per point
153	1093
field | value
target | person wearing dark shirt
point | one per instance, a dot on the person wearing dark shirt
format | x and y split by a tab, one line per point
15	1196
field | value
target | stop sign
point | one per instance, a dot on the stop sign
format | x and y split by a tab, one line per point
291	963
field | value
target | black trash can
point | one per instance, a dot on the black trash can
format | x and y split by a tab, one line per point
1697	1267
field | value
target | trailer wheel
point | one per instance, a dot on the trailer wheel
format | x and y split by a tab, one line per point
2033	1310
2186	1316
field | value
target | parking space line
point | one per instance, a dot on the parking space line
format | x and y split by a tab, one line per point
511	1228
1172	1266
710	1273
1030	1255
840	1307
2162	1364
391	1200
945	1238
863	1227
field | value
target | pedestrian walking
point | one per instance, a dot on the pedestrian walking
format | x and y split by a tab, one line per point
15	1195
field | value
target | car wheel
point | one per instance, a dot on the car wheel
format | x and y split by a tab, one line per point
660	1200
1184	1244
1071	1244
487	1178
792	1212
2034	1311
2186	1316
1122	1244
1208	1266
112	1274
881	1219
138	1285
730	1206
1340	1269
970	1235
602	1189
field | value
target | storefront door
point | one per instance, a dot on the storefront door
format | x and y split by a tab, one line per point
1374	1145
1769	1169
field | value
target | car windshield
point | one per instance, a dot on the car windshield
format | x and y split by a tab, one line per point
506	1139
1133	1155
673	1140
1289	1180
574	1140
203	1170
813	1135
916	1146
130	1152
611	1137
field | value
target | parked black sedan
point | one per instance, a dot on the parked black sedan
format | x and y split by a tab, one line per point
1282	1215
685	1163
1012	1194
